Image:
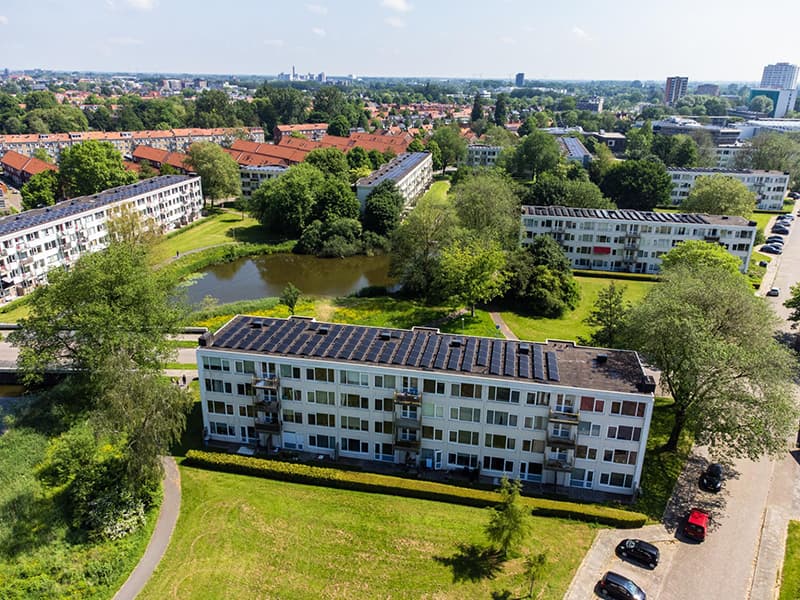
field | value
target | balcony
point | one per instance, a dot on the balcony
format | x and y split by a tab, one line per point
407	444
554	464
559	441
268	425
269	382
558	416
271	405
408	422
408	396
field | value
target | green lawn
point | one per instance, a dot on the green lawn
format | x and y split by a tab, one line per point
437	191
571	325
790	576
243	537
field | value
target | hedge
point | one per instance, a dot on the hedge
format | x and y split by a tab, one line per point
615	275
409	488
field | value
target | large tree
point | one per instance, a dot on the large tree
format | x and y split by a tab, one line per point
552	190
501	110
720	195
382	208
487	204
637	184
452	146
219	173
713	342
330	161
477	108
608	316
772	151
537	153
471	270
40	190
697	254
286	204
509	522
91	167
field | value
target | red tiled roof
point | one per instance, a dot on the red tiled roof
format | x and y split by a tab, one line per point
29	165
302	127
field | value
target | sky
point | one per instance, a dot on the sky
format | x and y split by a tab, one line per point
706	40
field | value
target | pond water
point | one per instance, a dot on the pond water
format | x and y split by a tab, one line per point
265	276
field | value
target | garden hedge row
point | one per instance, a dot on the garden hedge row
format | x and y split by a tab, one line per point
398	486
615	275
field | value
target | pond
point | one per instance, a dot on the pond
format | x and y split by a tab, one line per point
265	276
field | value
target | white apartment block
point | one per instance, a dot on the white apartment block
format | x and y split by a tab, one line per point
549	413
411	172
782	76
36	241
633	241
253	176
726	154
482	155
769	186
171	140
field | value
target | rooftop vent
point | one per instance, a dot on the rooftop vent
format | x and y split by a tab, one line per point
385	335
206	339
602	359
456	343
256	323
647	385
524	348
323	330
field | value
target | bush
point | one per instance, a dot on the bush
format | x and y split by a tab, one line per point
615	275
409	488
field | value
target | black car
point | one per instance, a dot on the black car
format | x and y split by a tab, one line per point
775	239
615	585
640	551
779	228
772	249
712	477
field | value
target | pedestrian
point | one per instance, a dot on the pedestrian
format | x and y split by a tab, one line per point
183	380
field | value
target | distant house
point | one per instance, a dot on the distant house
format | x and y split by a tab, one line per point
616	142
20	168
411	172
312	131
574	151
253	176
158	158
482	155
769	186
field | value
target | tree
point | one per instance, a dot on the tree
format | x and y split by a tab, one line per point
537	153
452	146
127	225
330	161
551	190
358	158
487	205
42	154
382	208
712	340
219	173
471	270
501	110
499	136
330	102
290	296
771	151
415	146
40	190
637	184
608	315
477	108
436	155
91	167
339	126
509	522
697	254
335	200
676	150
762	104
720	195
286	204
213	108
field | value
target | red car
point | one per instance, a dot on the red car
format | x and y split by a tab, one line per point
696	525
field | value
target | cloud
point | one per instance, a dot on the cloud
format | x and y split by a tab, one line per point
3	20
317	9
142	4
398	5
395	22
274	43
318	31
125	41
508	40
580	33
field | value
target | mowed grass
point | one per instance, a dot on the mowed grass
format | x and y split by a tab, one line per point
790	575
571	326
242	537
437	191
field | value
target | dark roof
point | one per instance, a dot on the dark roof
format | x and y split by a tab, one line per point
723	171
395	169
635	215
67	208
557	363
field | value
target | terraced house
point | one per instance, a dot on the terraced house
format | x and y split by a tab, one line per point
550	414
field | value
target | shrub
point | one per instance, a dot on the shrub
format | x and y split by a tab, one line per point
410	488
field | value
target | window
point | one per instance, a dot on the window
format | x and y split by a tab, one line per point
586	453
460	459
432	410
464	413
386	381
245	366
590	404
318	374
291	394
354	401
539	398
629	409
322	441
322	397
430	433
244	389
533	446
410	383
219	408
352	378
616	479
354	445
384	427
535	423
587	428
464	437
386	404
355	423
212	363
498	417
581	478
494	440
289	372
621	457
466	390
431	386
503	394
222	429
623	432
247	411
531	471
292	416
322	419
219	386
493	463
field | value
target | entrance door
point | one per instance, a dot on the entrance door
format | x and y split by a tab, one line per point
437	459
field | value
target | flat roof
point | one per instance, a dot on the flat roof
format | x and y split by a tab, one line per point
426	349
76	206
395	169
574	147
636	215
723	171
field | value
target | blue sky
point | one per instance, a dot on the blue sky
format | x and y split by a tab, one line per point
709	40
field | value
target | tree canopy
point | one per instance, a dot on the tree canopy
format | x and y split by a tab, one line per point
471	270
608	316
720	195
286	204
536	153
219	173
382	208
637	184
551	190
452	146
698	254
487	204
40	190
91	167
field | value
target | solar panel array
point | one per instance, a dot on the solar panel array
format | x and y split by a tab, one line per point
396	169
621	215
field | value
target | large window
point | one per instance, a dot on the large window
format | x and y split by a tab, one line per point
212	363
623	432
499	417
222	429
384	427
353	378
621	457
586	453
219	408
288	393
384	404
538	398
589	428
292	416
503	394
354	445
432	410
355	423
616	479
535	422
322	441
495	463
247	411
322	419
289	372
461	459
219	386
536	446
431	386
386	381
354	401
319	374
503	442
465	413
629	409
245	366
464	437
430	433
590	404
244	389
322	397
466	390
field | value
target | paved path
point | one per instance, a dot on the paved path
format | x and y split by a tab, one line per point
167	517
504	329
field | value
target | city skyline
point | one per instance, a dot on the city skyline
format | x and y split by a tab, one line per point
399	38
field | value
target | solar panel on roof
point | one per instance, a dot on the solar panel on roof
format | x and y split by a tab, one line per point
510	362
441	354
552	367
483	353
372	354
416	350
538	362
430	348
495	368
386	353
399	357
469	355
524	366
455	356
298	343
365	341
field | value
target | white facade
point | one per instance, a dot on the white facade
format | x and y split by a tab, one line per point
590	433
411	172
769	186
36	241
726	154
782	76
253	176
482	155
632	241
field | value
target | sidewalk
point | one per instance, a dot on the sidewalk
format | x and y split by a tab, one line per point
501	325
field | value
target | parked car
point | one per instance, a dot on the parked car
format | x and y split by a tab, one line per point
778	228
712	477
776	238
772	249
696	525
640	551
772	292
787	216
615	585
794	195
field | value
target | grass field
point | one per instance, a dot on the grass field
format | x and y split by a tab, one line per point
437	191
242	537
790	576
571	326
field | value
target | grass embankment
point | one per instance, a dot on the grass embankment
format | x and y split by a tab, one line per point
571	326
790	575
240	536
40	556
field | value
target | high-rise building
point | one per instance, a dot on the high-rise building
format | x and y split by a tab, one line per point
520	80
675	89
780	76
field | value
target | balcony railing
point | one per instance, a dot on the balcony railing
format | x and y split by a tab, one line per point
271	405
558	441
560	416
407	443
408	396
268	425
407	421
554	464
269	382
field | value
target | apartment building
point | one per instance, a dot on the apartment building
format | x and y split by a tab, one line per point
411	172
573	150
482	155
769	186
253	176
547	413
675	89
171	140
630	240
311	131
20	168
36	241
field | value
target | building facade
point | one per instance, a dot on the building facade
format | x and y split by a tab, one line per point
674	125
519	79
36	241
783	100
675	89
20	168
411	172
707	89
633	241
253	176
574	151
769	186
482	155
781	76
547	413
594	104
